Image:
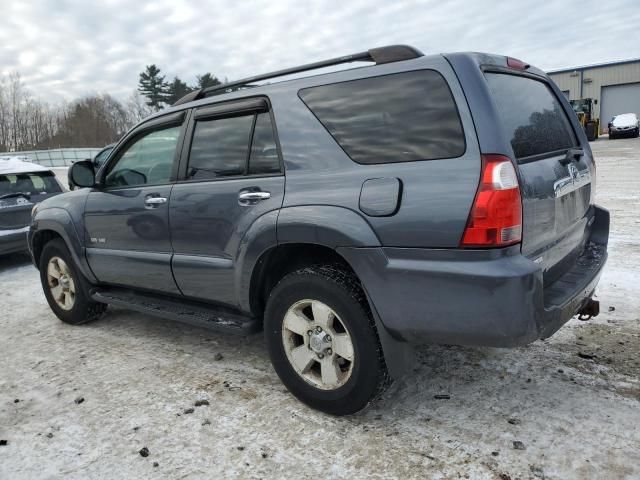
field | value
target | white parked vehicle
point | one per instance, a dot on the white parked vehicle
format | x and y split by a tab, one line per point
624	125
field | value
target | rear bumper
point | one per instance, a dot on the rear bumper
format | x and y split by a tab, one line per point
473	297
12	241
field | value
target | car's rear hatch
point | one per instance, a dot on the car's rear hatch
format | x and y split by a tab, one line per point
19	192
15	213
556	173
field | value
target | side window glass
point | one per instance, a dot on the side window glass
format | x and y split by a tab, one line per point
220	148
101	157
402	117
148	161
264	151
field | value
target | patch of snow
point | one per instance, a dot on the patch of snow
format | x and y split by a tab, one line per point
625	120
572	400
13	165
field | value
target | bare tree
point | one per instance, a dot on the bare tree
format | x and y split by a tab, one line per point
25	122
91	121
137	108
4	116
28	123
16	98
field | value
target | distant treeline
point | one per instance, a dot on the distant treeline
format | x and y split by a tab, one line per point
28	123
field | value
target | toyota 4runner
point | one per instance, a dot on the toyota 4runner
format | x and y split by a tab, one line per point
350	215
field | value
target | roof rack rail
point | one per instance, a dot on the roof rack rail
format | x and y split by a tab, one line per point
381	55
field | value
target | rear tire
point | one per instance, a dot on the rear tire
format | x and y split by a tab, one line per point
322	340
65	289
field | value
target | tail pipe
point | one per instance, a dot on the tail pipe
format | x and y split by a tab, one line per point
589	310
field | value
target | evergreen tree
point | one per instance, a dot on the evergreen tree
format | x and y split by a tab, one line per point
176	90
153	86
207	80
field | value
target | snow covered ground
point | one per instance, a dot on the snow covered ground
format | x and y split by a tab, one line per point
572	401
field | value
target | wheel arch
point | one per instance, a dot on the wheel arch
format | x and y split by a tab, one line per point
57	223
284	240
302	231
282	259
38	240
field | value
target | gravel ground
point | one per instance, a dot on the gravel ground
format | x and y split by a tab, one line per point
82	402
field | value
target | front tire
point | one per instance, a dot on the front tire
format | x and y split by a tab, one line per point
65	289
323	342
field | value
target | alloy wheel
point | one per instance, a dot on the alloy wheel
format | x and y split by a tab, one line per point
318	344
61	284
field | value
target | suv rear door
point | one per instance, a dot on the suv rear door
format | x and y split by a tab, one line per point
127	217
230	175
556	171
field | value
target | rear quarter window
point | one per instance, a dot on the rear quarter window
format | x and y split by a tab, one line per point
401	117
531	116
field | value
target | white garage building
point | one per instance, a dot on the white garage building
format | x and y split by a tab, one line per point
615	86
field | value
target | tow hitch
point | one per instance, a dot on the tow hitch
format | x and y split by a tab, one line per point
590	310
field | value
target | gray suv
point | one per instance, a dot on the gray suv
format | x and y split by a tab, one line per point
350	215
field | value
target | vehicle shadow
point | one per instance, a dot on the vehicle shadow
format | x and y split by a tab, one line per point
14	260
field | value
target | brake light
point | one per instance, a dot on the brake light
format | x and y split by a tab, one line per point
517	64
496	216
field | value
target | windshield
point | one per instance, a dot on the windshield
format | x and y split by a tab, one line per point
581	105
32	183
624	120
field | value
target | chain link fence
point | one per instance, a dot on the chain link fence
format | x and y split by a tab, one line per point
59	157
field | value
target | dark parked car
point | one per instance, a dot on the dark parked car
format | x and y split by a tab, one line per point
22	185
421	199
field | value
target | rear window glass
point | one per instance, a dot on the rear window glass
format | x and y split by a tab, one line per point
31	183
394	118
531	115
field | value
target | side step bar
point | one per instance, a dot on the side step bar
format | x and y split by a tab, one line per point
194	313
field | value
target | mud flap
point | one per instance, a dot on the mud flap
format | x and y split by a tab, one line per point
399	356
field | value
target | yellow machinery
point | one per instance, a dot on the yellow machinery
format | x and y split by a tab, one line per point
584	111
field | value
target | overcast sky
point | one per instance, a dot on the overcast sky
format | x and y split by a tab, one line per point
68	48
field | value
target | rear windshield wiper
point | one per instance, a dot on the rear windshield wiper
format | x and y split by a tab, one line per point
16	194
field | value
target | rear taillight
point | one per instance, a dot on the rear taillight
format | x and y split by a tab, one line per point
496	216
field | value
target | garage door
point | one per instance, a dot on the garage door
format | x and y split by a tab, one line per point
617	99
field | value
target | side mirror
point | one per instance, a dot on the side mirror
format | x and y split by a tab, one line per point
82	174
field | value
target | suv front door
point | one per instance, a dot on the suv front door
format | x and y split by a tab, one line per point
231	175
127	216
